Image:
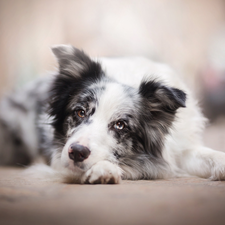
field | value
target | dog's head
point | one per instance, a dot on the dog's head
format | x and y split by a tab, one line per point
97	118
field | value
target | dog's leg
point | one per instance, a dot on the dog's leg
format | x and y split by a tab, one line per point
204	162
102	172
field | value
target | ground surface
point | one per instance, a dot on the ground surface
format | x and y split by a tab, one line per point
25	201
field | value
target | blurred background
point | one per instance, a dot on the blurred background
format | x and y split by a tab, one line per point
187	34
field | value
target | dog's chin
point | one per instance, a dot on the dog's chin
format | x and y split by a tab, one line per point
78	168
75	167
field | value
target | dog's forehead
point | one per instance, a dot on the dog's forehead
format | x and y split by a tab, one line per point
116	99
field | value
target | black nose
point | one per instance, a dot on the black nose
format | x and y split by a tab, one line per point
78	153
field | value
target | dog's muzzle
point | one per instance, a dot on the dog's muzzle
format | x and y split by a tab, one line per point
78	153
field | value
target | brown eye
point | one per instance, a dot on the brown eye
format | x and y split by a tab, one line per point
81	113
119	125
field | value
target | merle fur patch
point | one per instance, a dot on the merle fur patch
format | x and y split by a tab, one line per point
77	71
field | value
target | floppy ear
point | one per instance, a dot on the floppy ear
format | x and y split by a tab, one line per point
76	71
162	97
73	61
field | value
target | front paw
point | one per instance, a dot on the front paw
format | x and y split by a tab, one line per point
102	172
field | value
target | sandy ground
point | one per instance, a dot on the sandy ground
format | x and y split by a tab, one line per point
25	201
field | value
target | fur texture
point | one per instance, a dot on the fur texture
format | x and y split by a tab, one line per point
100	121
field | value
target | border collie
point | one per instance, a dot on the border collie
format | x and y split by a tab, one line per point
100	121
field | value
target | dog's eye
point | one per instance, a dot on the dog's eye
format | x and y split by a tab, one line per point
119	125
81	113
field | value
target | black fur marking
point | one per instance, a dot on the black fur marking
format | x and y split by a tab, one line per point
68	84
158	112
166	98
92	111
116	154
75	62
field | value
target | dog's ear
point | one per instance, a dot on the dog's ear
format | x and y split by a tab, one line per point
162	97
76	71
75	62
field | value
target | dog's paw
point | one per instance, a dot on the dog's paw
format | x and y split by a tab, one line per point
217	164
102	172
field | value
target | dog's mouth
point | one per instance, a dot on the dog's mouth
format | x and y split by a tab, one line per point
74	167
80	165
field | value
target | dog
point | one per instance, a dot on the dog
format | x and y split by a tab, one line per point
98	121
